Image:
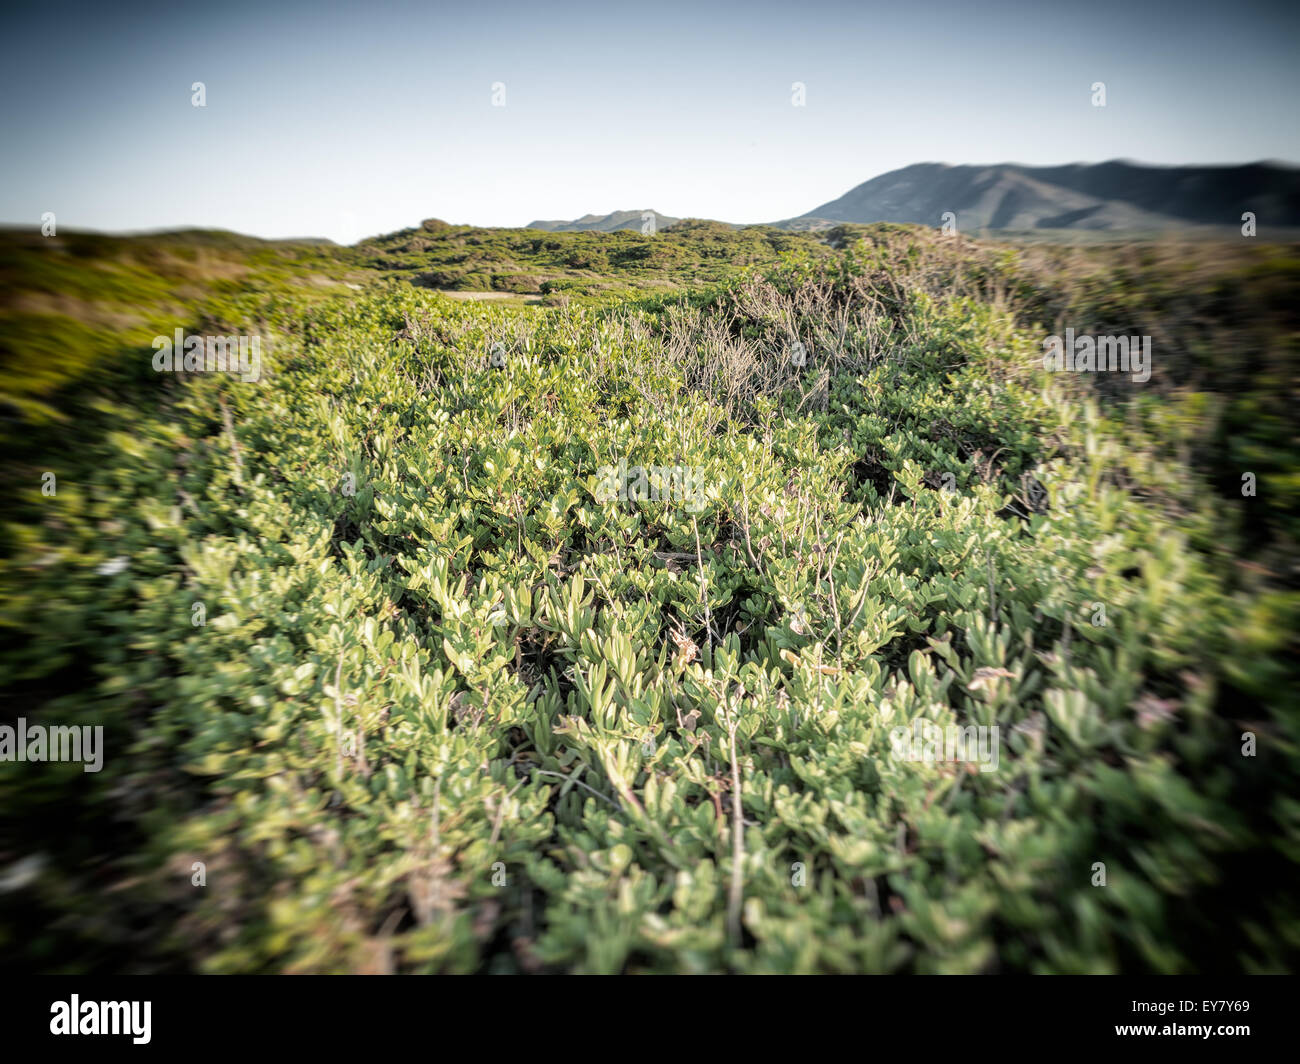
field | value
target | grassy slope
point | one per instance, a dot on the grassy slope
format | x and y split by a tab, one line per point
470	662
692	253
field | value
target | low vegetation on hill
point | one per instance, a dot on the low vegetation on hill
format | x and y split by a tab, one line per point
391	681
690	253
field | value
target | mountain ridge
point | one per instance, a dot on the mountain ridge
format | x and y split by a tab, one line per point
1118	195
605	223
1113	195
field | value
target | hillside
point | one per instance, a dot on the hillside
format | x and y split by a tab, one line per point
1110	198
607	223
581	263
1114	195
376	645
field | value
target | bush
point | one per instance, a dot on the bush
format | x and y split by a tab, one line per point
453	708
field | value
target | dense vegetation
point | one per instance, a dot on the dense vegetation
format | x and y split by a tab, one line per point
562	265
453	710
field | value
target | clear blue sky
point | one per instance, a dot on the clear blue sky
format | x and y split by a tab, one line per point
343	120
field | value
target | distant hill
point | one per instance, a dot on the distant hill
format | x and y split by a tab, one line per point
1114	195
606	223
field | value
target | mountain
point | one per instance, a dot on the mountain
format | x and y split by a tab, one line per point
1116	195
1111	197
606	223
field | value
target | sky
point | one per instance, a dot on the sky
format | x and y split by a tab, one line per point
347	120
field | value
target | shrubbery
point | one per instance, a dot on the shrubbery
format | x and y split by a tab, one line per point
450	710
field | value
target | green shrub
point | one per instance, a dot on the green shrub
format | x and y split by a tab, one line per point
452	709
